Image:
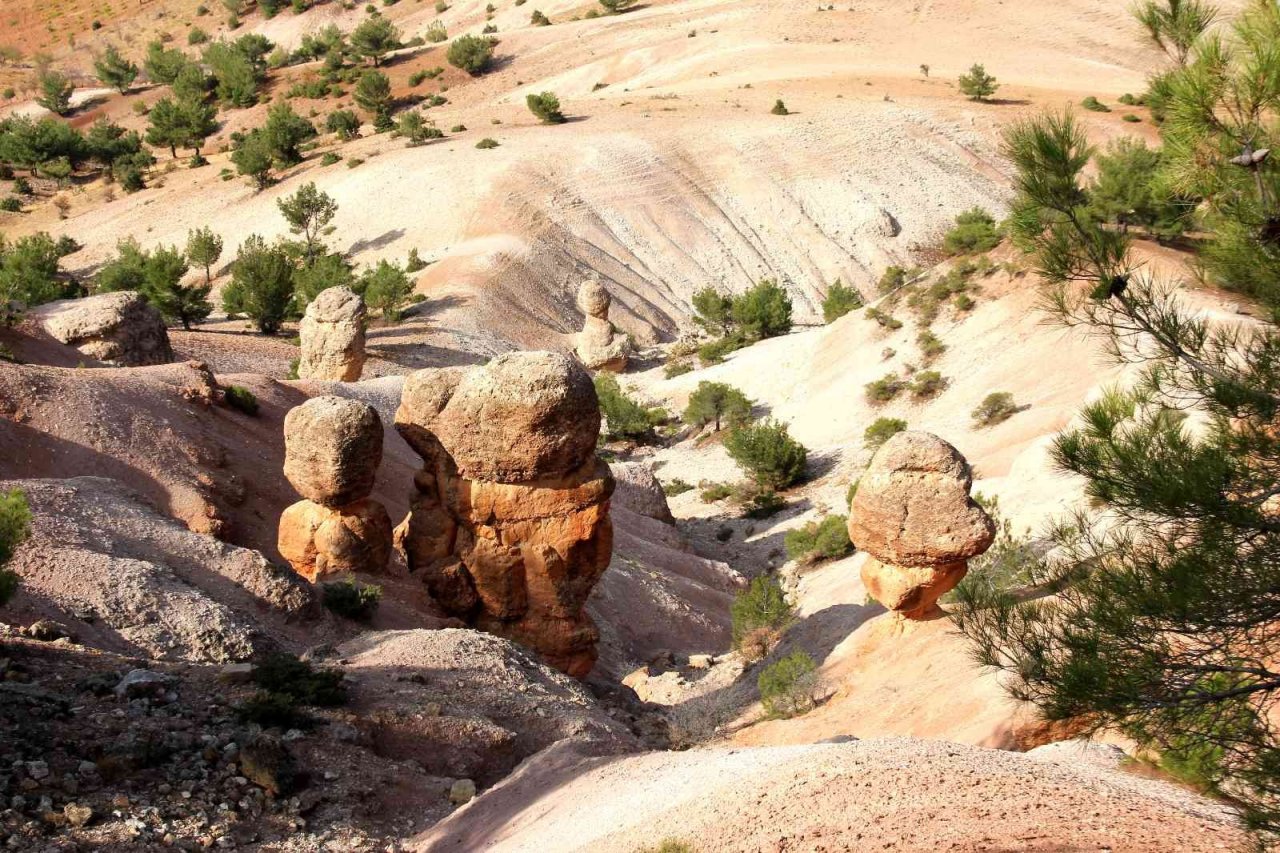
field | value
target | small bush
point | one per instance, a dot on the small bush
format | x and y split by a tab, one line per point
821	540
293	369
273	710
676	487
12	204
975	231
197	36
840	300
351	600
714	352
765	504
1128	100
1093	105
537	19
930	345
716	492
330	158
762	605
667	845
623	417
881	431
288	676
435	34
884	389
928	384
779	108
787	686
886	321
764	311
473	54
995	408
963	302
487	143
1131	118
677	367
241	399
546	106
768	454
458	128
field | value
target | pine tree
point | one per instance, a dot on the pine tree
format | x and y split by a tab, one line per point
717	403
1175	25
978	85
374	38
261	285
204	248
373	95
114	70
309	212
1168	593
55	91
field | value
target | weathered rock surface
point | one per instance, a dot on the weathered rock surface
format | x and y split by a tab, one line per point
522	417
509	526
599	345
913	514
639	491
332	334
333	447
125	578
117	328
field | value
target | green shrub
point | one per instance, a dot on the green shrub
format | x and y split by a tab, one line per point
15	526
886	321
719	404
1129	100
487	143
995	408
12	204
840	300
1093	105
822	540
884	389
928	384
716	492
537	19
667	845
613	7
546	106
623	417
787	686
436	33
458	128
1131	118
963	302
767	453
472	54
241	399
713	310
288	676
273	710
762	605
714	352
676	487
414	263
893	278
881	430
293	368
930	345
330	158
197	36
765	504
677	367
779	108
764	311
344	123
352	600
975	231
978	85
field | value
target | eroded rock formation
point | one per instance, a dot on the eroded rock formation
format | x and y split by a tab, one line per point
913	514
509	527
332	333
332	450
118	328
600	346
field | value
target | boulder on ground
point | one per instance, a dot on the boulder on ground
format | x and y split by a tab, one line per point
332	336
639	491
118	328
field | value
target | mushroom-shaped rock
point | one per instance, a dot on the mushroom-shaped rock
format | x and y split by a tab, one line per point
599	344
332	335
523	417
913	514
332	449
118	328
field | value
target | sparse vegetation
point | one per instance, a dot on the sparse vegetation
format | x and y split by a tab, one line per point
15	526
787	686
840	300
881	430
978	85
767	453
975	231
624	418
241	399
719	404
827	539
472	54
546	106
352	600
884	389
762	606
779	108
995	408
927	384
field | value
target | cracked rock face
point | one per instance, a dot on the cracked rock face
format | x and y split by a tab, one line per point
913	514
117	328
333	447
509	524
599	345
332	334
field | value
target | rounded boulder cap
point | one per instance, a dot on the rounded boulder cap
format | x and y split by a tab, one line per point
332	449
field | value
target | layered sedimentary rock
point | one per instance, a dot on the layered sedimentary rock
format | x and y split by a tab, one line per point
332	334
600	346
332	450
118	328
913	514
509	525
